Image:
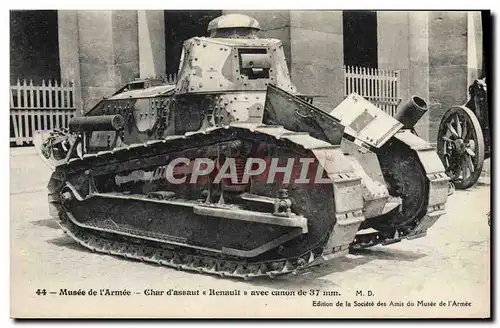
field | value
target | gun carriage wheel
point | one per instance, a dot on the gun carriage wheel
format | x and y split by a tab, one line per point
460	146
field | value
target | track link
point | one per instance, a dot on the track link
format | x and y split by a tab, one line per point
182	258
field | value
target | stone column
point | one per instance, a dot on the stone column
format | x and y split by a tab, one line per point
125	42
151	26
448	68
418	76
474	46
67	22
403	45
317	55
104	44
392	46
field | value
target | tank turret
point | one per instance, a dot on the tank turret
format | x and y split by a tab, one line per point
235	67
234	26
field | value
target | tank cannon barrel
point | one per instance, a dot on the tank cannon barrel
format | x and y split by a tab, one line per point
411	111
97	123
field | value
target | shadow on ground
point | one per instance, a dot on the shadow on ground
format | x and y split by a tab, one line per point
49	223
314	277
67	241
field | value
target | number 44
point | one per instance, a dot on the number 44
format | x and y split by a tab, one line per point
41	292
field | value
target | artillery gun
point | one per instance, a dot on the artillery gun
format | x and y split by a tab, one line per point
231	172
464	137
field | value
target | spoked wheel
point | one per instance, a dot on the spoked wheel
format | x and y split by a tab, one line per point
460	146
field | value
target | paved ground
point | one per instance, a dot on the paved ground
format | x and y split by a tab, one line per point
450	264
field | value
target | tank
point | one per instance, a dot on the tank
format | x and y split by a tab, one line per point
232	172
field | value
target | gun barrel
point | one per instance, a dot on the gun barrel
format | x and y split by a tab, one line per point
97	123
411	111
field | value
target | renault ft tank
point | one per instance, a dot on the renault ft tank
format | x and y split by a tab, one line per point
231	172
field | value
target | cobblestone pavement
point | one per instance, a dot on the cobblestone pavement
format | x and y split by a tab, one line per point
450	263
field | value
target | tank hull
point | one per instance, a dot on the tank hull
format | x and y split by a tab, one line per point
231	172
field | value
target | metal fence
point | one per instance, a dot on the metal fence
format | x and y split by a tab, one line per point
379	86
171	78
39	107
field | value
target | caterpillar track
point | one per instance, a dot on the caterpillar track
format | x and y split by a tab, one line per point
101	236
107	236
180	259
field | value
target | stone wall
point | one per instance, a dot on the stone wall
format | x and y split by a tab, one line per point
151	29
317	55
447	64
418	75
99	51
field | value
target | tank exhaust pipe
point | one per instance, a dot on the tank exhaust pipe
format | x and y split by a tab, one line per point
411	111
97	123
